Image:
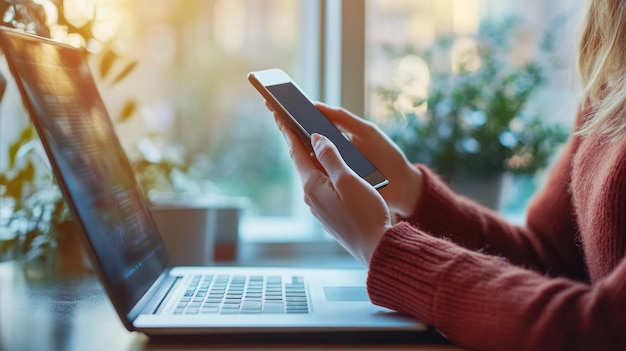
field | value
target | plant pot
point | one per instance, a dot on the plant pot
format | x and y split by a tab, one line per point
199	231
71	257
228	214
186	229
68	259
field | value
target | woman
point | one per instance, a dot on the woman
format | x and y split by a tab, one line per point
558	282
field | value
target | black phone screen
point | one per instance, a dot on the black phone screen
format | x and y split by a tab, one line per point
313	121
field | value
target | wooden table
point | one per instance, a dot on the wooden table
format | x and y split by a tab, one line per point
42	311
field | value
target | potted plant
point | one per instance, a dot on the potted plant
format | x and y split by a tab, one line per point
197	223
473	125
36	222
33	197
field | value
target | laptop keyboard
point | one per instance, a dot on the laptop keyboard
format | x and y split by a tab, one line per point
225	294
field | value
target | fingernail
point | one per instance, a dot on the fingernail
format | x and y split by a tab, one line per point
315	139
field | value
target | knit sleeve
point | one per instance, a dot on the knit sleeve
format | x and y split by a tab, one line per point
548	241
484	302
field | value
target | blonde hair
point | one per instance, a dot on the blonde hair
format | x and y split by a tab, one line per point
602	65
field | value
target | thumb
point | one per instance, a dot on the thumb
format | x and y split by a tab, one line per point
328	156
340	116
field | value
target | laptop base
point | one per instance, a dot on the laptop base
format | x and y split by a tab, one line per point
431	336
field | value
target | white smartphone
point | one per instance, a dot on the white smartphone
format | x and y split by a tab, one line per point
301	115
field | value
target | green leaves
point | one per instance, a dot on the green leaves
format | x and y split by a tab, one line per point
127	111
22	174
106	68
15	186
106	63
38	208
26	136
443	135
124	72
109	58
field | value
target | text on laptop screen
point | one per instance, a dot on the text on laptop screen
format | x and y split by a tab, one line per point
81	142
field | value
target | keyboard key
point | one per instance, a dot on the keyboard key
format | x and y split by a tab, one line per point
273	308
251	304
192	311
295	299
241	294
273	298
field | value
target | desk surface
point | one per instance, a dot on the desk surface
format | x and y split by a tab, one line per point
42	312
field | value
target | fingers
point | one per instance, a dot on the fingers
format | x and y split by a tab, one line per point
344	119
303	161
327	154
289	136
332	162
326	160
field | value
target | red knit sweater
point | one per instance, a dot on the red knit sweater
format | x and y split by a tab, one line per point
556	283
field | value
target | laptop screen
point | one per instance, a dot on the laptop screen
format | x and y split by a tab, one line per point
89	162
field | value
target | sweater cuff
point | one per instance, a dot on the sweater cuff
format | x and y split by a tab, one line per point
411	262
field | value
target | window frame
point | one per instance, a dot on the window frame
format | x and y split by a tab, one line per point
332	54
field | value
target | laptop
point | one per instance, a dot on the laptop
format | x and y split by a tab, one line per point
148	293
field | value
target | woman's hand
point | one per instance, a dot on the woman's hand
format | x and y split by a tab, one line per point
405	180
348	207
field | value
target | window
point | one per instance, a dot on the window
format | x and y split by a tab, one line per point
399	23
417	23
190	88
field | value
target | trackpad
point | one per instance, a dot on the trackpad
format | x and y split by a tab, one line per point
346	293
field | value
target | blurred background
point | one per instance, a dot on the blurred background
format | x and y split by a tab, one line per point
184	102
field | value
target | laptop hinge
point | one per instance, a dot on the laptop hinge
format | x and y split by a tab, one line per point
161	302
155	295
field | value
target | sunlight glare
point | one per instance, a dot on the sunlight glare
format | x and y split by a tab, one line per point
79	12
466	16
51	11
161	43
230	23
107	22
412	75
58	33
76	40
464	55
422	28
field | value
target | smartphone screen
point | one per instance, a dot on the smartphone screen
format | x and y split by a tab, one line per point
308	120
